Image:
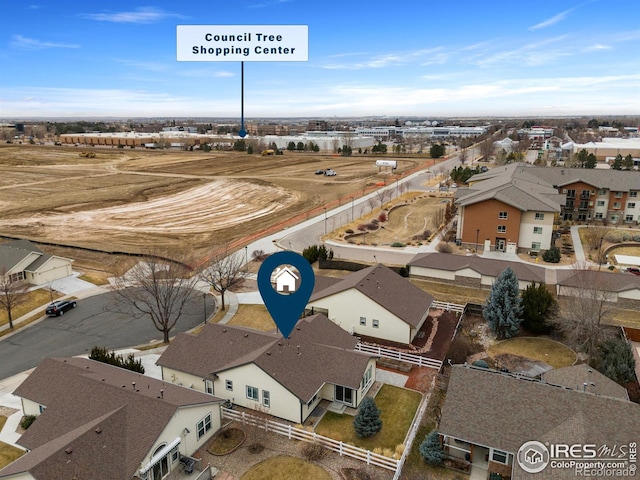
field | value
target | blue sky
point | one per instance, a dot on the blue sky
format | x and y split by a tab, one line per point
414	58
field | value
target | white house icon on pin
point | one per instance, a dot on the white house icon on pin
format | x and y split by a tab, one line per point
285	280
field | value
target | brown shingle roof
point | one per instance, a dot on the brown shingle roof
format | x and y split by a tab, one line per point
577	375
485	266
82	395
501	411
317	352
388	289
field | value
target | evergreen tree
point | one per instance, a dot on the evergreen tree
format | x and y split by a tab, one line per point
617	163
431	449
628	162
503	310
538	304
552	255
367	421
591	162
616	361
291	146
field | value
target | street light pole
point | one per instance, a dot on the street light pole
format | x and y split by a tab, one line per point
204	301
246	254
352	200
325	220
477	235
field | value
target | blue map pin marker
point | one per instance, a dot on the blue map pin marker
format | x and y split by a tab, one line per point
285	309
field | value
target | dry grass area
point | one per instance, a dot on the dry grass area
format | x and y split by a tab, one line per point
131	200
253	316
33	300
445	292
539	349
284	467
8	453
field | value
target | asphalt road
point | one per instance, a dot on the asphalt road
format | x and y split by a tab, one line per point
96	321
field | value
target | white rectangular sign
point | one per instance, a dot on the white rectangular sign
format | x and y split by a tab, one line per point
246	43
386	163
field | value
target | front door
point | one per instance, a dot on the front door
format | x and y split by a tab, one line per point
161	469
500	243
344	395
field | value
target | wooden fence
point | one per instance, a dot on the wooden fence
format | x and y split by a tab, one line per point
293	433
401	356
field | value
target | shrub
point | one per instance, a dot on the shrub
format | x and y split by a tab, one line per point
397	244
460	349
311	253
374	221
367	421
431	449
444	247
258	255
371	226
362	227
382	217
348	230
102	354
552	255
616	361
27	420
312	452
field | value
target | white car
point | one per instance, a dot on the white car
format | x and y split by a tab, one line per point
330	173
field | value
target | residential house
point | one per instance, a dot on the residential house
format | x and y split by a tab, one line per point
286	378
471	270
374	302
488	415
621	289
22	260
99	421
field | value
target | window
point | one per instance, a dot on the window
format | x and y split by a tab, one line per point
363	321
366	379
633	194
174	454
203	426
498	456
537	230
628	218
539	216
616	205
208	387
16	277
252	393
313	399
614	218
229	385
631	205
502	229
266	398
571	193
618	194
535	246
376	323
600	203
502	215
602	191
598	216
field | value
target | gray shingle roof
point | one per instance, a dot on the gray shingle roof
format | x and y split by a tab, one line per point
498	410
577	375
605	280
82	395
388	289
317	352
13	252
485	266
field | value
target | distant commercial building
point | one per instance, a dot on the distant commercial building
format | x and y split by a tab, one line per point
609	148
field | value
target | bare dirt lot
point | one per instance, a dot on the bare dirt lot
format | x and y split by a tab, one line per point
132	200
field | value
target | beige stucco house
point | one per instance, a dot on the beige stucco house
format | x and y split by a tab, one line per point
99	421
22	260
286	378
374	302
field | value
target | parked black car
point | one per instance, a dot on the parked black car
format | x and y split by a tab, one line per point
58	308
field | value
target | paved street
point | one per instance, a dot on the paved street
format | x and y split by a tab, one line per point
96	321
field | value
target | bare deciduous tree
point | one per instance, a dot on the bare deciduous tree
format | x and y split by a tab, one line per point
224	270
594	237
585	308
12	294
486	148
156	288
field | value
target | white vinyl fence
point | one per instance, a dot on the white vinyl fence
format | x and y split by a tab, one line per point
293	433
401	356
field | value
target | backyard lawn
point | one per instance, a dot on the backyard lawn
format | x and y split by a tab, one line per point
398	407
286	468
550	352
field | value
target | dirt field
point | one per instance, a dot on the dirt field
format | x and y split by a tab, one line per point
133	200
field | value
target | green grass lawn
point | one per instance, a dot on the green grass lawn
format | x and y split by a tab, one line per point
398	406
286	468
541	349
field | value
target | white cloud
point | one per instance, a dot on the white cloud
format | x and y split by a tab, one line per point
430	55
140	15
25	43
552	21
